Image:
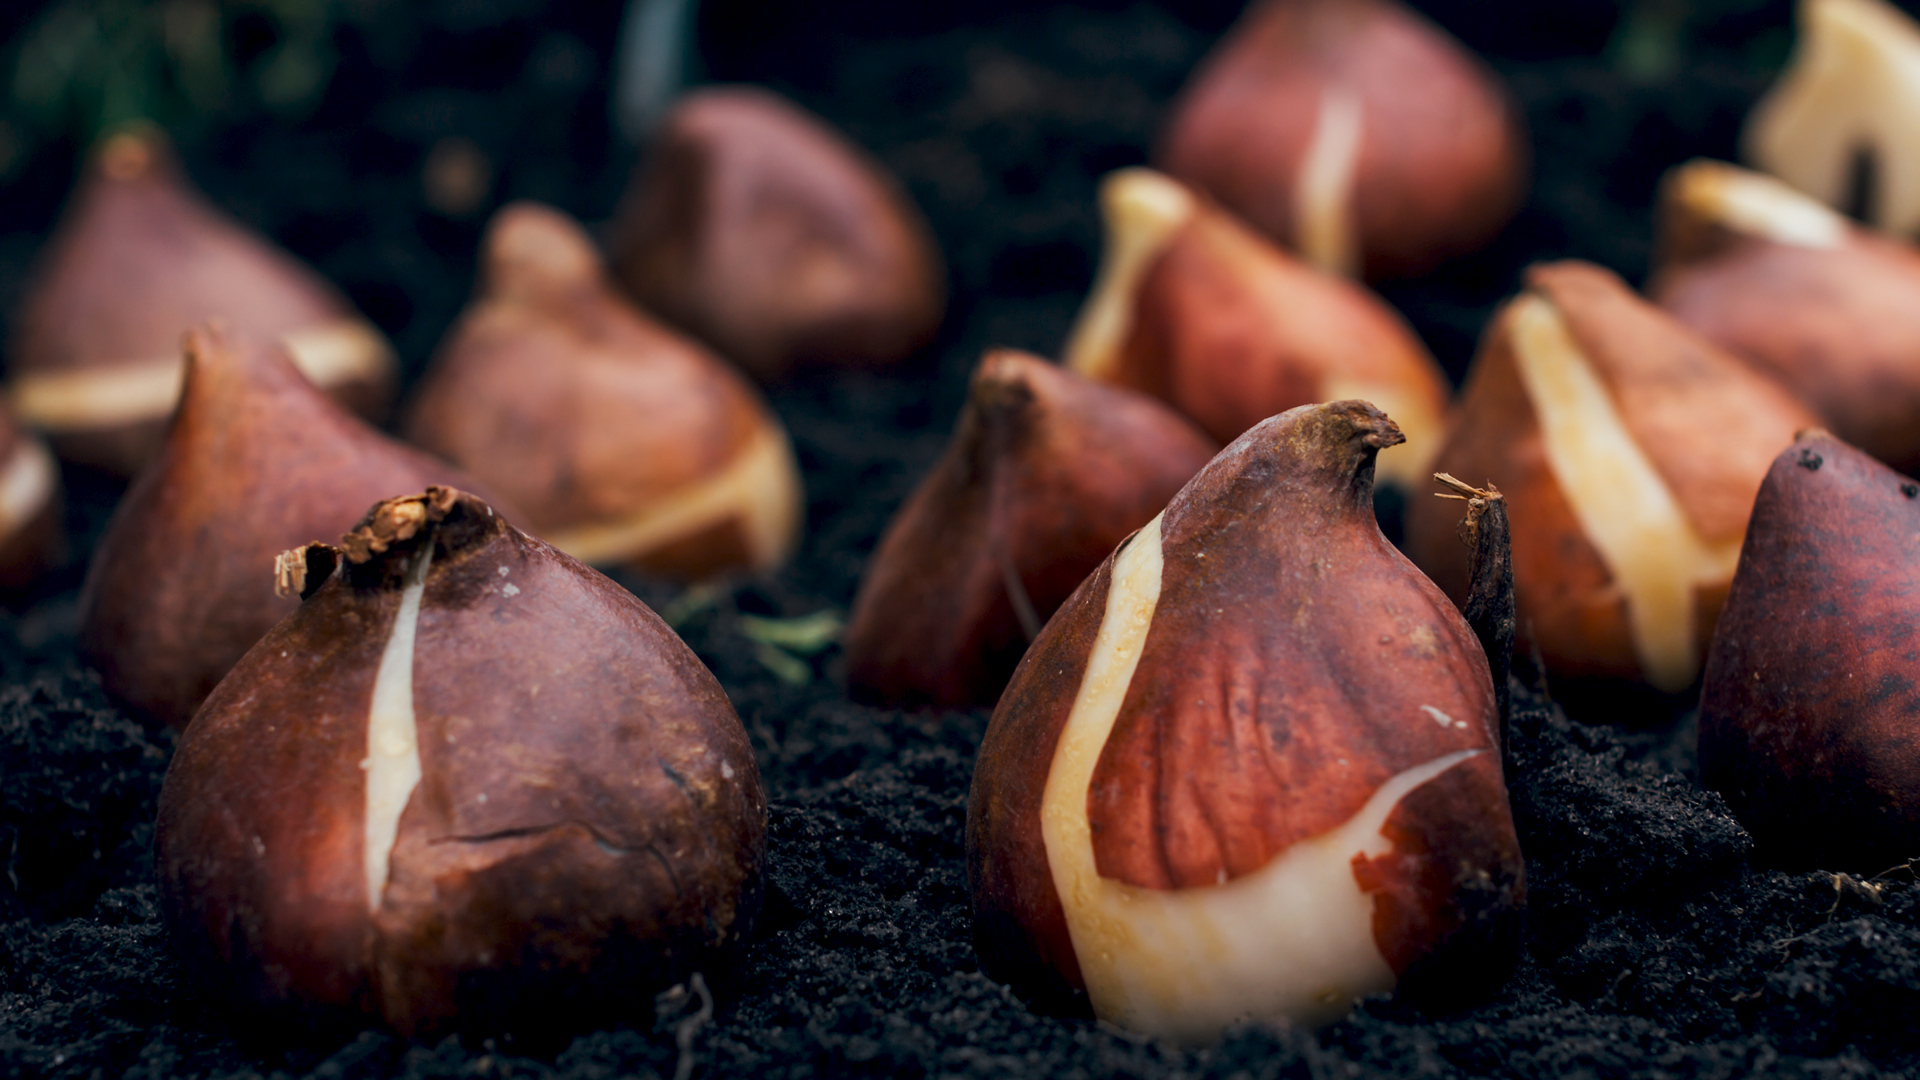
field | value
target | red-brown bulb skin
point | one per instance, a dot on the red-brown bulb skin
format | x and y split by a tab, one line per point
1838	326
1230	330
589	825
1289	630
1046	472
138	258
761	230
1808	704
1442	163
257	461
578	406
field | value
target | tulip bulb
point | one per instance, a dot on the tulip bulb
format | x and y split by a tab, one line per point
138	259
1790	286
1629	449
469	784
1353	131
32	533
754	226
257	460
1848	100
621	441
1197	310
1046	472
1251	769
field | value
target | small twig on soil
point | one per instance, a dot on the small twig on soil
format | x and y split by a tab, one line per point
684	1032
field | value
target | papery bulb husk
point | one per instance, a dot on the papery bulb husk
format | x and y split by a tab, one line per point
1196	309
620	440
1808	704
1839	123
257	461
759	229
32	508
1629	501
138	258
1786	284
1045	473
1293	694
1355	132
584	826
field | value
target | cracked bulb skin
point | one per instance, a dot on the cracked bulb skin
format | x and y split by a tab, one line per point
1355	132
1839	123
754	226
469	785
1196	309
1045	473
1629	449
1251	769
620	441
1806	712
1799	292
138	259
257	461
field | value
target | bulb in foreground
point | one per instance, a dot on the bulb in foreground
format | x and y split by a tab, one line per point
138	259
257	461
469	784
1355	132
1807	707
1046	472
1790	286
1629	449
619	440
1197	310
767	234
1839	124
1251	768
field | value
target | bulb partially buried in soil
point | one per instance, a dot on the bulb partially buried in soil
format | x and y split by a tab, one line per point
621	441
1251	769
1629	449
1045	474
32	533
1194	308
469	785
138	259
257	461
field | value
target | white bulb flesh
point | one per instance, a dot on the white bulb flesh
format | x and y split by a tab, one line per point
26	484
1853	85
1293	939
392	763
1142	210
760	488
147	388
1323	190
1621	502
1758	205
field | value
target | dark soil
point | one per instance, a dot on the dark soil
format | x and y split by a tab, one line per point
1656	947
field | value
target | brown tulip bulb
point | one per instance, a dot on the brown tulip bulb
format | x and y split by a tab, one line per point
1806	712
1250	769
1781	281
137	260
620	440
766	233
1629	450
1198	310
1839	124
1353	131
257	461
1045	474
32	533
469	784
